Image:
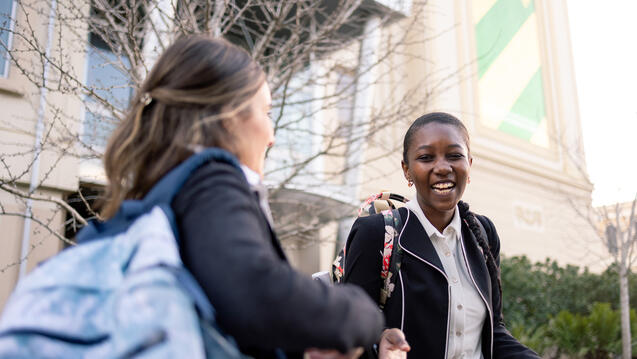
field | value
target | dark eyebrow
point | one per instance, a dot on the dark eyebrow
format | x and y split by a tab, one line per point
426	147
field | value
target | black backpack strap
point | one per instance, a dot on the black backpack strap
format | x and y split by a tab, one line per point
392	255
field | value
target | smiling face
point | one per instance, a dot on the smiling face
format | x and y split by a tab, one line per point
438	163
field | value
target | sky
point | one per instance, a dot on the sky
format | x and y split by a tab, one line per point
604	40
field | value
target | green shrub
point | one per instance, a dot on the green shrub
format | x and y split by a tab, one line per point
535	292
570	334
534	338
604	325
596	335
564	310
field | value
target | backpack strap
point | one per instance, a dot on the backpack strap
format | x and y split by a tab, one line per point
168	186
392	255
161	194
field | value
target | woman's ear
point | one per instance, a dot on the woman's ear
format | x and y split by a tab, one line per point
469	170
405	170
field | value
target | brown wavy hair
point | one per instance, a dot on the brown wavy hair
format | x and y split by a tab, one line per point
197	90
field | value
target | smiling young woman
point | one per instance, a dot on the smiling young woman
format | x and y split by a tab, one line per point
447	298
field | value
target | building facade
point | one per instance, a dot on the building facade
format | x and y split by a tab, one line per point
502	66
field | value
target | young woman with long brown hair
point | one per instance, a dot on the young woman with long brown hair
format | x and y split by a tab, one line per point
205	92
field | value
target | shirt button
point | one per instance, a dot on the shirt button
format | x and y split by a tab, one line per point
458	333
459	307
448	254
454	279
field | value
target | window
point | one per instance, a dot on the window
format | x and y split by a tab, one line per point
293	114
85	201
295	127
7	13
345	90
108	75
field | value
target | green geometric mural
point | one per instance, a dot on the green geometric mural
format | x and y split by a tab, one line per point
509	68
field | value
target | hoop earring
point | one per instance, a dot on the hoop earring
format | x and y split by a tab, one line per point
410	183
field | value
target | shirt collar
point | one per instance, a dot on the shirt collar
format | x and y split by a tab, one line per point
454	225
253	178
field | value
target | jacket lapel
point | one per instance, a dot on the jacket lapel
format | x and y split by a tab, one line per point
477	264
415	241
266	216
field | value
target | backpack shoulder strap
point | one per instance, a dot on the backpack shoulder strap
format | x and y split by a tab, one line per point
392	255
168	186
161	194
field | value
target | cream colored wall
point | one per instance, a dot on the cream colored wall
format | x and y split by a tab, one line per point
58	173
43	244
317	256
534	215
20	102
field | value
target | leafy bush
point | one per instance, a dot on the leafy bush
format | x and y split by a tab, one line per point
596	336
565	311
604	326
535	338
535	292
569	333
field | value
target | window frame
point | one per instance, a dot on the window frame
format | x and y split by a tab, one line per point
5	57
92	106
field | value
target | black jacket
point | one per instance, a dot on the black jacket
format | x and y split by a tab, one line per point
426	294
227	244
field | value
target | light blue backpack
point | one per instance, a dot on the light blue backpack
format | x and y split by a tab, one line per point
123	292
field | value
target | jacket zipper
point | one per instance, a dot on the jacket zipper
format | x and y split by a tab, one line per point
441	272
464	253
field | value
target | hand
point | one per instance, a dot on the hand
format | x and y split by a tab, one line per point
393	345
332	354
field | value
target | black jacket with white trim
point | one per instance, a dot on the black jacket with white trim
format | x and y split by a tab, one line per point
420	302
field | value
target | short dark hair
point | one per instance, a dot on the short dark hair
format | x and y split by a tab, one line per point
437	117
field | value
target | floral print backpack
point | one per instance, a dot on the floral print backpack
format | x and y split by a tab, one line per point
386	203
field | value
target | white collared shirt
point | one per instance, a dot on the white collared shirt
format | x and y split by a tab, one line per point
252	177
256	185
467	311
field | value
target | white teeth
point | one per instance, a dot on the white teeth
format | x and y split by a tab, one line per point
443	191
441	186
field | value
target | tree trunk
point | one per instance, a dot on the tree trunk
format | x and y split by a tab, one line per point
625	311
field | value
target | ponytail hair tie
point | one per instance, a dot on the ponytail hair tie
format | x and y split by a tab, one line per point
145	99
